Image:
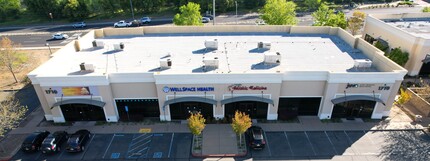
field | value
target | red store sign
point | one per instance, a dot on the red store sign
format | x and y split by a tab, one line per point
239	87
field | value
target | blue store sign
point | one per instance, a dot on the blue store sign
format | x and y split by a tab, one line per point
167	89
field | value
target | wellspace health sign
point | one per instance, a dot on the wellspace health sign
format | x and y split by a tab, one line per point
167	89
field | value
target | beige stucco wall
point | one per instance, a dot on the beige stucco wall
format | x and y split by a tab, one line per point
109	109
416	46
212	29
43	102
302	88
123	31
134	90
85	41
221	92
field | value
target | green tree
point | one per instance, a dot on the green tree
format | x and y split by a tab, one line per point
240	123
189	16
9	8
44	7
10	57
403	97
426	9
279	12
381	46
251	4
326	17
312	4
356	22
11	112
398	56
76	10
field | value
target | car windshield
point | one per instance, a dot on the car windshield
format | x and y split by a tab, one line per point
258	134
73	141
30	139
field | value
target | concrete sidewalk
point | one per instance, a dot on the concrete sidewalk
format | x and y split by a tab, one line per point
218	138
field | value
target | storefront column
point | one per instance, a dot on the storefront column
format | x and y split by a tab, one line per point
327	105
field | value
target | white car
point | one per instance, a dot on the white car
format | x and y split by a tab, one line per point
144	20
79	24
205	19
59	36
121	23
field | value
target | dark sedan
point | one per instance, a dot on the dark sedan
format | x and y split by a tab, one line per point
53	142
256	137
34	141
78	140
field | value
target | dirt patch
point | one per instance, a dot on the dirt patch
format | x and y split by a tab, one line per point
35	59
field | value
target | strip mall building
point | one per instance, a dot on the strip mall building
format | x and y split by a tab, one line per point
269	72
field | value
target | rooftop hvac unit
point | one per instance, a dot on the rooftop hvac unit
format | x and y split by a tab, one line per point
165	63
98	43
86	67
264	45
272	58
211	44
362	63
211	62
119	46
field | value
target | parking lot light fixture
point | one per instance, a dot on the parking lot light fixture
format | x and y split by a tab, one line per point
49	47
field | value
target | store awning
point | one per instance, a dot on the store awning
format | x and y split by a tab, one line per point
246	98
80	101
427	59
355	98
190	99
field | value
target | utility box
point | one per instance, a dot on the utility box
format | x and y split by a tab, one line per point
119	46
86	67
211	62
264	45
272	58
165	63
211	44
97	43
362	63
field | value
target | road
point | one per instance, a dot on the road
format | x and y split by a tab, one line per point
38	36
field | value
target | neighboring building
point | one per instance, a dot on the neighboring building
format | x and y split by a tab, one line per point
410	31
269	72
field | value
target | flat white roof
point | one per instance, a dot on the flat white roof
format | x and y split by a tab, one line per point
237	53
418	27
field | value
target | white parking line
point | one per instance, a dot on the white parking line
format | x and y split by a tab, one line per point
140	140
139	136
267	142
350	141
88	144
312	147
291	148
109	146
332	145
140	145
171	142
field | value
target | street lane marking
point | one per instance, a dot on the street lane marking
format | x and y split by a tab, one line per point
171	142
109	146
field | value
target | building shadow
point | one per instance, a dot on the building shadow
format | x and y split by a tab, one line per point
203	51
258	50
203	69
112	52
158	69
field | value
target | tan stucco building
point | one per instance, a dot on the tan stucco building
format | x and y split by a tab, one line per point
409	31
269	72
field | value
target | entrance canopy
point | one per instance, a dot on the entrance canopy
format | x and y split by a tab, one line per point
190	99
80	101
355	98
246	98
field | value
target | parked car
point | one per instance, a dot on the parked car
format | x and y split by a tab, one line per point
205	19
59	36
144	20
256	137
211	17
53	142
121	23
260	22
134	23
78	140
79	24
34	141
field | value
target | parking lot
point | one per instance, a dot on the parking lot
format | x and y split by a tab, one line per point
391	145
395	145
124	146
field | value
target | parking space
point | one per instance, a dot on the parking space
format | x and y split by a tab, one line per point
326	144
123	146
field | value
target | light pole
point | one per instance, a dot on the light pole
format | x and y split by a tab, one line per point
235	2
49	47
131	7
213	8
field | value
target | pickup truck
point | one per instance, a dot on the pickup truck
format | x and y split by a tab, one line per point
122	23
